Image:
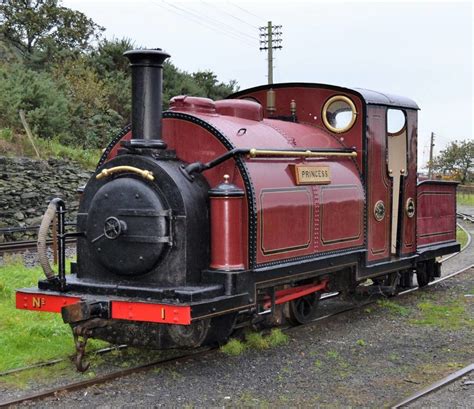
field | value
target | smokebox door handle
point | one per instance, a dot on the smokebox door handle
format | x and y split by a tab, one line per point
146	174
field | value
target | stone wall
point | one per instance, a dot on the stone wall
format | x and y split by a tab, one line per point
27	186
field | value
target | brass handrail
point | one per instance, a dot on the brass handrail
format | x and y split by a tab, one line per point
254	153
146	174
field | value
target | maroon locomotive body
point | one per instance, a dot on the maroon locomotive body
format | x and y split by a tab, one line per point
217	213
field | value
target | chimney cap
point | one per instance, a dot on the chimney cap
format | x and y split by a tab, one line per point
151	57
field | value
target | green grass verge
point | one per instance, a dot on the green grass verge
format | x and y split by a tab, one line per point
447	316
461	237
465	199
27	337
87	158
19	145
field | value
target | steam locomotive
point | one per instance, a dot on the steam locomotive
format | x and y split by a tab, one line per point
215	214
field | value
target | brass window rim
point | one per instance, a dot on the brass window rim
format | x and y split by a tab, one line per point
351	105
410	213
379	205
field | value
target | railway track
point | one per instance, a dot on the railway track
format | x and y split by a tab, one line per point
101	379
23	245
465	216
435	386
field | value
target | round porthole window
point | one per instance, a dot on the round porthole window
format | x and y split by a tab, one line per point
339	114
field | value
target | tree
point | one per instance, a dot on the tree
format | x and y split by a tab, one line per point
36	93
44	26
207	80
456	159
113	70
108	56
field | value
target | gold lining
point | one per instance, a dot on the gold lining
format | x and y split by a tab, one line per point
439	233
343	239
351	105
290	249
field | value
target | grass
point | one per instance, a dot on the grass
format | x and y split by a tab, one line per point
27	337
461	237
255	340
234	347
394	308
448	316
465	199
19	145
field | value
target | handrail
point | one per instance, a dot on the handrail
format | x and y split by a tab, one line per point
254	153
146	174
198	167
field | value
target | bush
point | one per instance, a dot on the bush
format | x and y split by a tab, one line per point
44	103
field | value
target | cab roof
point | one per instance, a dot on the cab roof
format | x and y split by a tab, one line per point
370	97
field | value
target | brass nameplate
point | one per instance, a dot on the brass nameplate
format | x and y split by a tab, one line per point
312	175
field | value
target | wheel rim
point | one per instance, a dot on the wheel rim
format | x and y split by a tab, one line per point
302	310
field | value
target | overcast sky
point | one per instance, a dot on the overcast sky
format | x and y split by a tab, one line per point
422	50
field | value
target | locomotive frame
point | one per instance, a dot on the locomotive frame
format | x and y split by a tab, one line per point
245	209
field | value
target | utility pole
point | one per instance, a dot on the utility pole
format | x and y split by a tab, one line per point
430	163
270	40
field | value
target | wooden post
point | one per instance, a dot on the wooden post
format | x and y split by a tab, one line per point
28	131
430	163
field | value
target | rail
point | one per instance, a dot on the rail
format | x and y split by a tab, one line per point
22	245
13	246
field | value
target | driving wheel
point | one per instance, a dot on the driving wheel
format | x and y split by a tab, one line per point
303	309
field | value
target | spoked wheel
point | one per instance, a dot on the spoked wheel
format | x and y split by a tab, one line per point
189	336
303	310
424	273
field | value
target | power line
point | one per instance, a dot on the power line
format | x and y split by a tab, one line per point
201	23
245	11
210	20
220	23
216	7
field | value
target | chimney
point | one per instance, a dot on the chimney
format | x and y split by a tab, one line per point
147	97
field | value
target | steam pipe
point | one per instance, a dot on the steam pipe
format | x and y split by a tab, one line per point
56	206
